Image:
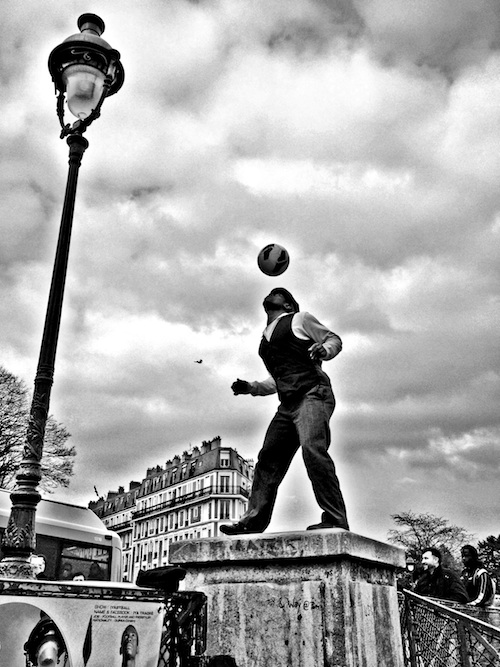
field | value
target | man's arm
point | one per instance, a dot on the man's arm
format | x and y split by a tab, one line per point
422	585
484	588
456	590
326	344
264	388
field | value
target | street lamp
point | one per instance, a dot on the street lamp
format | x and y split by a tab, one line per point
85	70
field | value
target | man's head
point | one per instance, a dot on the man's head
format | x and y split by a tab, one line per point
37	562
130	642
67	571
431	559
469	555
280	298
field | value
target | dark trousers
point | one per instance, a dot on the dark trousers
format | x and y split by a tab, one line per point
301	423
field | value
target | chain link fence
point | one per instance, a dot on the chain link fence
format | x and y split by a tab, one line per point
435	635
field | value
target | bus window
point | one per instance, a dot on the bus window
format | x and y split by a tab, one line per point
65	559
92	562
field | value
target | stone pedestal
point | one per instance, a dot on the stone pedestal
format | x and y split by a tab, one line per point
322	598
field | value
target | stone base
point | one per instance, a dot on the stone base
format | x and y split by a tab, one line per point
322	598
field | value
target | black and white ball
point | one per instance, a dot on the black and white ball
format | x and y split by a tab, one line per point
273	260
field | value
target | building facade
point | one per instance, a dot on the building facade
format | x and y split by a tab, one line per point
187	499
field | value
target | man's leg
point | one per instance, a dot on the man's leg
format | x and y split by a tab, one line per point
312	419
280	444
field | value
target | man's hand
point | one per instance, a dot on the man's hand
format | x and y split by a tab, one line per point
241	387
317	351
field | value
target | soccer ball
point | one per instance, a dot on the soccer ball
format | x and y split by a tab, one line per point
273	260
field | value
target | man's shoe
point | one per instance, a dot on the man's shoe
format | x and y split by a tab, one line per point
236	529
324	524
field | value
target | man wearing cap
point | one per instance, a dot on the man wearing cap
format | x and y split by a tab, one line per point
293	346
45	645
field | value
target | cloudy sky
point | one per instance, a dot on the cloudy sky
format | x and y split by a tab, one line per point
363	135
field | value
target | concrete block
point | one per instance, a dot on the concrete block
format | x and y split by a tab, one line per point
322	598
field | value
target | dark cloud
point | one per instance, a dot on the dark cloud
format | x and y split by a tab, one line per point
448	35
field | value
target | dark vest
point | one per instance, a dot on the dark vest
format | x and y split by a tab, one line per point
287	359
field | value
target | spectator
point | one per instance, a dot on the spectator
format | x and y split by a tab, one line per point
95	572
67	572
37	562
437	581
79	576
478	583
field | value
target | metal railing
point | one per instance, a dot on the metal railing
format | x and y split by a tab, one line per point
120	526
184	633
439	635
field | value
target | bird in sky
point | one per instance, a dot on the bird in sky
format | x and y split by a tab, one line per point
198	361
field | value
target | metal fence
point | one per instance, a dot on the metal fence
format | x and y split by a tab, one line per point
437	635
184	633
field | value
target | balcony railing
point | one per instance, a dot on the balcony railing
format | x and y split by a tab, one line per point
120	526
217	490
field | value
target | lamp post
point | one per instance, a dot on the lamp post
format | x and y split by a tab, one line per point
85	70
410	564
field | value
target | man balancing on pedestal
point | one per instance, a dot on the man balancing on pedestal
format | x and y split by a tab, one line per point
293	346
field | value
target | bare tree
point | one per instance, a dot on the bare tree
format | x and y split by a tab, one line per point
489	554
417	532
58	455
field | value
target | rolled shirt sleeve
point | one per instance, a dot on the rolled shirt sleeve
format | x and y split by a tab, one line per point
305	325
264	388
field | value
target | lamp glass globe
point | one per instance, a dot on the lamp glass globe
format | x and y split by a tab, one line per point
84	86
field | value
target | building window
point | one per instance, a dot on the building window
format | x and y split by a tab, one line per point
224	483
225	459
224	509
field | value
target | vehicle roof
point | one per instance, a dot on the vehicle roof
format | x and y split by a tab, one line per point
54	510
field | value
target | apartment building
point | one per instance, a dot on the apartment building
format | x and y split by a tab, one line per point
188	498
